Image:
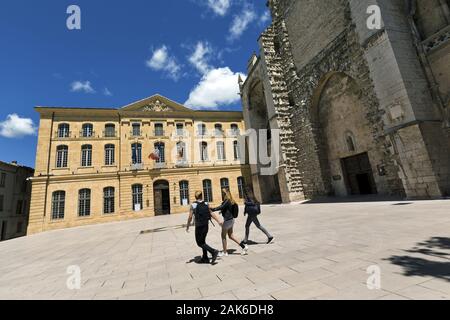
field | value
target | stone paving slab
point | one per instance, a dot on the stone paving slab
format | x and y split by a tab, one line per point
321	251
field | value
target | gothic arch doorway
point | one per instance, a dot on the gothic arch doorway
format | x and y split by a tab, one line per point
345	138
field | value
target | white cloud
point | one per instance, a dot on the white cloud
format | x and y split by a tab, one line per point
107	93
199	58
16	127
162	61
265	18
218	87
241	22
220	7
79	86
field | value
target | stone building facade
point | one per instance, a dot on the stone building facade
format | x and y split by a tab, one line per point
362	110
15	194
145	159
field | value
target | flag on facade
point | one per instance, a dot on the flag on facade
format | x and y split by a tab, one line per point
155	155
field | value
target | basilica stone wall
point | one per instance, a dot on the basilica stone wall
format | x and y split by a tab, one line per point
342	91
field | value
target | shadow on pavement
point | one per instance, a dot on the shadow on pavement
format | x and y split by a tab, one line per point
354	199
415	266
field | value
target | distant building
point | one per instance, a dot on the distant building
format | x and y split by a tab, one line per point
15	194
362	110
145	159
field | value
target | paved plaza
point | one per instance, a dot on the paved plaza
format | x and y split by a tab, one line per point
321	251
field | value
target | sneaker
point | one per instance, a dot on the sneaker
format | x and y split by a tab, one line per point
244	250
214	257
223	254
270	240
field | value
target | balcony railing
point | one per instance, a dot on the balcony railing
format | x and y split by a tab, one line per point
63	135
160	165
219	133
182	164
136	133
109	134
159	133
136	166
87	135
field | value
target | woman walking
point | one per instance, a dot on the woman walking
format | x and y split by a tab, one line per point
253	209
229	210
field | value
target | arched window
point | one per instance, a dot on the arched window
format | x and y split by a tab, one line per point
62	155
241	187
181	151
110	154
221	150
64	130
108	200
235	130
58	205
236	149
138	201
86	155
351	143
161	149
203	151
184	193
110	130
84	203
207	190
87	131
136	153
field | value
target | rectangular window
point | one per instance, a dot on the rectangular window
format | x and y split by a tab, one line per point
207	191
86	156
184	193
62	155
3	180
2	200
108	201
136	130
203	151
58	204
159	130
109	155
220	150
84	204
241	187
180	130
136	156
137	198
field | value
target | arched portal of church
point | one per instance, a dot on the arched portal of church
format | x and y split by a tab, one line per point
267	188
347	143
161	196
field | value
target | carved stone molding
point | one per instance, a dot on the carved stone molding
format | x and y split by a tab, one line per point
156	106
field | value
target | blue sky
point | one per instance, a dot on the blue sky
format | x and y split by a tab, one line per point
191	51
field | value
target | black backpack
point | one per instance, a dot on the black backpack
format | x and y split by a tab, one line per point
254	208
235	210
202	214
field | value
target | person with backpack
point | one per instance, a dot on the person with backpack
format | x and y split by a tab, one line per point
202	214
230	211
252	210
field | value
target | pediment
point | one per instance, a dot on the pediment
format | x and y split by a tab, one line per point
156	103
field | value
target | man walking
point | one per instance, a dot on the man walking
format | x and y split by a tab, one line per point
202	213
